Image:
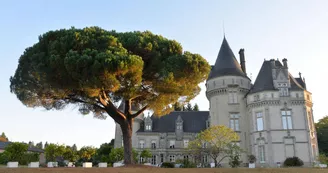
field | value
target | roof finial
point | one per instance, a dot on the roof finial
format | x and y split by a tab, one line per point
223	29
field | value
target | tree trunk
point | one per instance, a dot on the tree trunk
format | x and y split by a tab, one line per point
215	163
127	141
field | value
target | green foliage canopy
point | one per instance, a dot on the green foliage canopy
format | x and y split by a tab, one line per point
322	135
15	151
86	153
53	150
146	154
218	142
94	68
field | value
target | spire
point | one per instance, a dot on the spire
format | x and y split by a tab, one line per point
226	63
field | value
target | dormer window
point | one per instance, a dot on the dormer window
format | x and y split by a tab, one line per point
148	127
148	124
179	124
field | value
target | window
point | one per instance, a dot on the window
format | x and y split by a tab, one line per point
283	91
142	144
172	158
261	153
241	81
204	159
179	126
259	121
308	97
233	97
214	83
153	144
297	95
162	157
148	127
272	95
234	122
153	160
286	119
185	143
172	143
256	98
223	82
233	81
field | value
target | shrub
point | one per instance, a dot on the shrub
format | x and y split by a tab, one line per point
29	157
234	161
322	158
186	163
3	158
293	161
167	165
251	158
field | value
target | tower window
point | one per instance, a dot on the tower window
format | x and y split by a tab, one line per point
233	97
259	121
234	122
262	153
286	119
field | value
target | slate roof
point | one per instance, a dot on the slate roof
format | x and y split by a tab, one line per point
3	145
226	63
264	80
193	121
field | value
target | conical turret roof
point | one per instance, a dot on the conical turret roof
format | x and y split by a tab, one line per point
226	63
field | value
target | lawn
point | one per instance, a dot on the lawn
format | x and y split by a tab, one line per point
160	170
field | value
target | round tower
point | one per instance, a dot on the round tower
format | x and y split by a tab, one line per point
226	88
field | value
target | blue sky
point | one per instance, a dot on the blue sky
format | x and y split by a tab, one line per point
294	29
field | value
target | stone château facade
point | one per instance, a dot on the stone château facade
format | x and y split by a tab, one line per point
273	116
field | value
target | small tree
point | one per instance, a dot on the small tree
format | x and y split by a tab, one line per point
215	142
196	107
39	145
95	69
52	151
189	107
145	154
69	154
15	151
86	153
117	154
74	147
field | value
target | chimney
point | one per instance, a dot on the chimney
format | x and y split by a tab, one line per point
285	62
273	63
242	60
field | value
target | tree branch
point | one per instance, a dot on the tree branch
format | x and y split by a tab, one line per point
140	111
